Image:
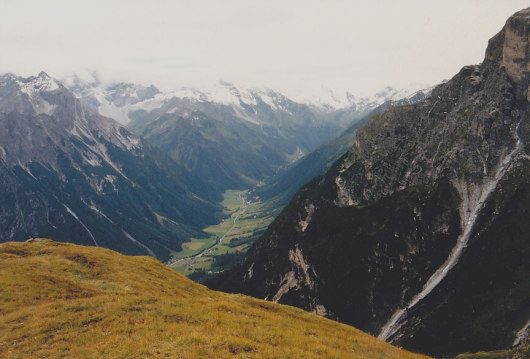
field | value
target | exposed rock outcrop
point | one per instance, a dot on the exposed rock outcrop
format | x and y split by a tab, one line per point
516	51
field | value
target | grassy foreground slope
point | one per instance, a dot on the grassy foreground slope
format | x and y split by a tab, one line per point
63	300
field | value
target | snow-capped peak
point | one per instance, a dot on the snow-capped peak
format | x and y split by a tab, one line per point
42	82
328	99
118	100
33	88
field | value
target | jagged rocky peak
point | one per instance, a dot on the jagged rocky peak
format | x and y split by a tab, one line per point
38	86
32	94
43	82
41	112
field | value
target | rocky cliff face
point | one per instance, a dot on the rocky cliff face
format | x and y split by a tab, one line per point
516	52
419	234
67	172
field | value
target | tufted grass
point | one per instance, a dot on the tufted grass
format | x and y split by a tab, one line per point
60	300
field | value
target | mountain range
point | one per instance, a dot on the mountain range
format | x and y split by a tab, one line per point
412	224
419	233
68	169
230	137
68	172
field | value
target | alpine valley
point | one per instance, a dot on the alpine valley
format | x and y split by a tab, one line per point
66	169
404	214
420	232
70	174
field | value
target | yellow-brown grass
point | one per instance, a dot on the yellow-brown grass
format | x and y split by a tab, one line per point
60	300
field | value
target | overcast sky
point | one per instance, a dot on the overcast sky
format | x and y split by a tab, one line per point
296	46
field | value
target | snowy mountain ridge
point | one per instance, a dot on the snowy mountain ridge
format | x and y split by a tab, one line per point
117	100
335	100
48	98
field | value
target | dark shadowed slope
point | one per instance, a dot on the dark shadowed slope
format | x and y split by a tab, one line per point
419	234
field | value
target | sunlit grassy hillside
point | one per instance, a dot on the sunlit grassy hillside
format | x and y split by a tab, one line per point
62	300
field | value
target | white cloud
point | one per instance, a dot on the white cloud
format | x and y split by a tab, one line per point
291	45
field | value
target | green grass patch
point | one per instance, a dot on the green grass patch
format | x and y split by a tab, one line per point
194	246
246	222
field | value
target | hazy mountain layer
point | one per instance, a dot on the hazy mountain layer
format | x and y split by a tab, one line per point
232	138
